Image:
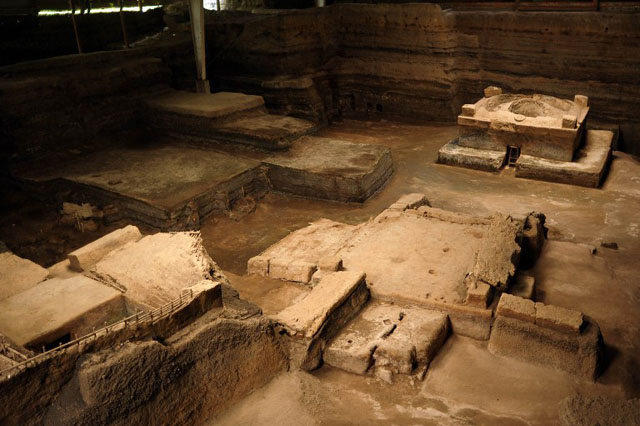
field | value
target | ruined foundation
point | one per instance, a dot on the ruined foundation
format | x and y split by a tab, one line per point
247	216
542	136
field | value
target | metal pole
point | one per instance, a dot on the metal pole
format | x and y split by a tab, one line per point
124	30
140	5
75	25
218	4
196	11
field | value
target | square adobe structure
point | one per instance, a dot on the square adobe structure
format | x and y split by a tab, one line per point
540	125
543	137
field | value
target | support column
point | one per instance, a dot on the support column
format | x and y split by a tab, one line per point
196	10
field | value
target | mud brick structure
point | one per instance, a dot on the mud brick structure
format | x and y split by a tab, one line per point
244	212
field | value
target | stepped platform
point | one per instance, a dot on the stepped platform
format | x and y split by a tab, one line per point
170	188
224	117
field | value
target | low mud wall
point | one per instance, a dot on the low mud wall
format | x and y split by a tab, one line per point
183	369
418	62
69	104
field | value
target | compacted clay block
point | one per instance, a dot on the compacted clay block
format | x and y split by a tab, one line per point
558	318
499	253
397	355
309	324
290	270
330	263
18	274
258	265
468	110
490	91
454	154
576	353
516	307
352	348
278	268
478	294
307	316
300	271
86	257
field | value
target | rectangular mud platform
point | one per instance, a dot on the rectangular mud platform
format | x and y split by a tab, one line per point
588	169
224	117
169	188
472	158
330	169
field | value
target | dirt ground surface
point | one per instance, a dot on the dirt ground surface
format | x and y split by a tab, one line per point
465	383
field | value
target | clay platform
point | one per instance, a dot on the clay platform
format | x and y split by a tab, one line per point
472	158
224	117
165	187
56	307
174	187
18	274
330	169
542	126
588	169
154	270
445	248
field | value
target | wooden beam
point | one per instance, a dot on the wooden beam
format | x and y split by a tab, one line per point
196	11
124	29
75	25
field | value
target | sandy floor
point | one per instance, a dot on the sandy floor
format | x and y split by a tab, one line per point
465	384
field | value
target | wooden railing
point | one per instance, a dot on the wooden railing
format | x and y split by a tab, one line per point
129	322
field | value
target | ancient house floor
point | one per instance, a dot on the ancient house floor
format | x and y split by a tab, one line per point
465	383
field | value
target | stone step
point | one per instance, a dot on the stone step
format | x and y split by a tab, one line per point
387	339
224	117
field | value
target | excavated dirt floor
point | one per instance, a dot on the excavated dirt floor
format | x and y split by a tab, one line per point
465	383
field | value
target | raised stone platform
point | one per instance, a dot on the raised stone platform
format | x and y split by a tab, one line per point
540	125
224	118
480	159
165	187
330	169
588	168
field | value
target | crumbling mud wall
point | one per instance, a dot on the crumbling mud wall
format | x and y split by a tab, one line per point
418	62
79	102
71	102
176	371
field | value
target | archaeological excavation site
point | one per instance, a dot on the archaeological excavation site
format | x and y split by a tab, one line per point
319	212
